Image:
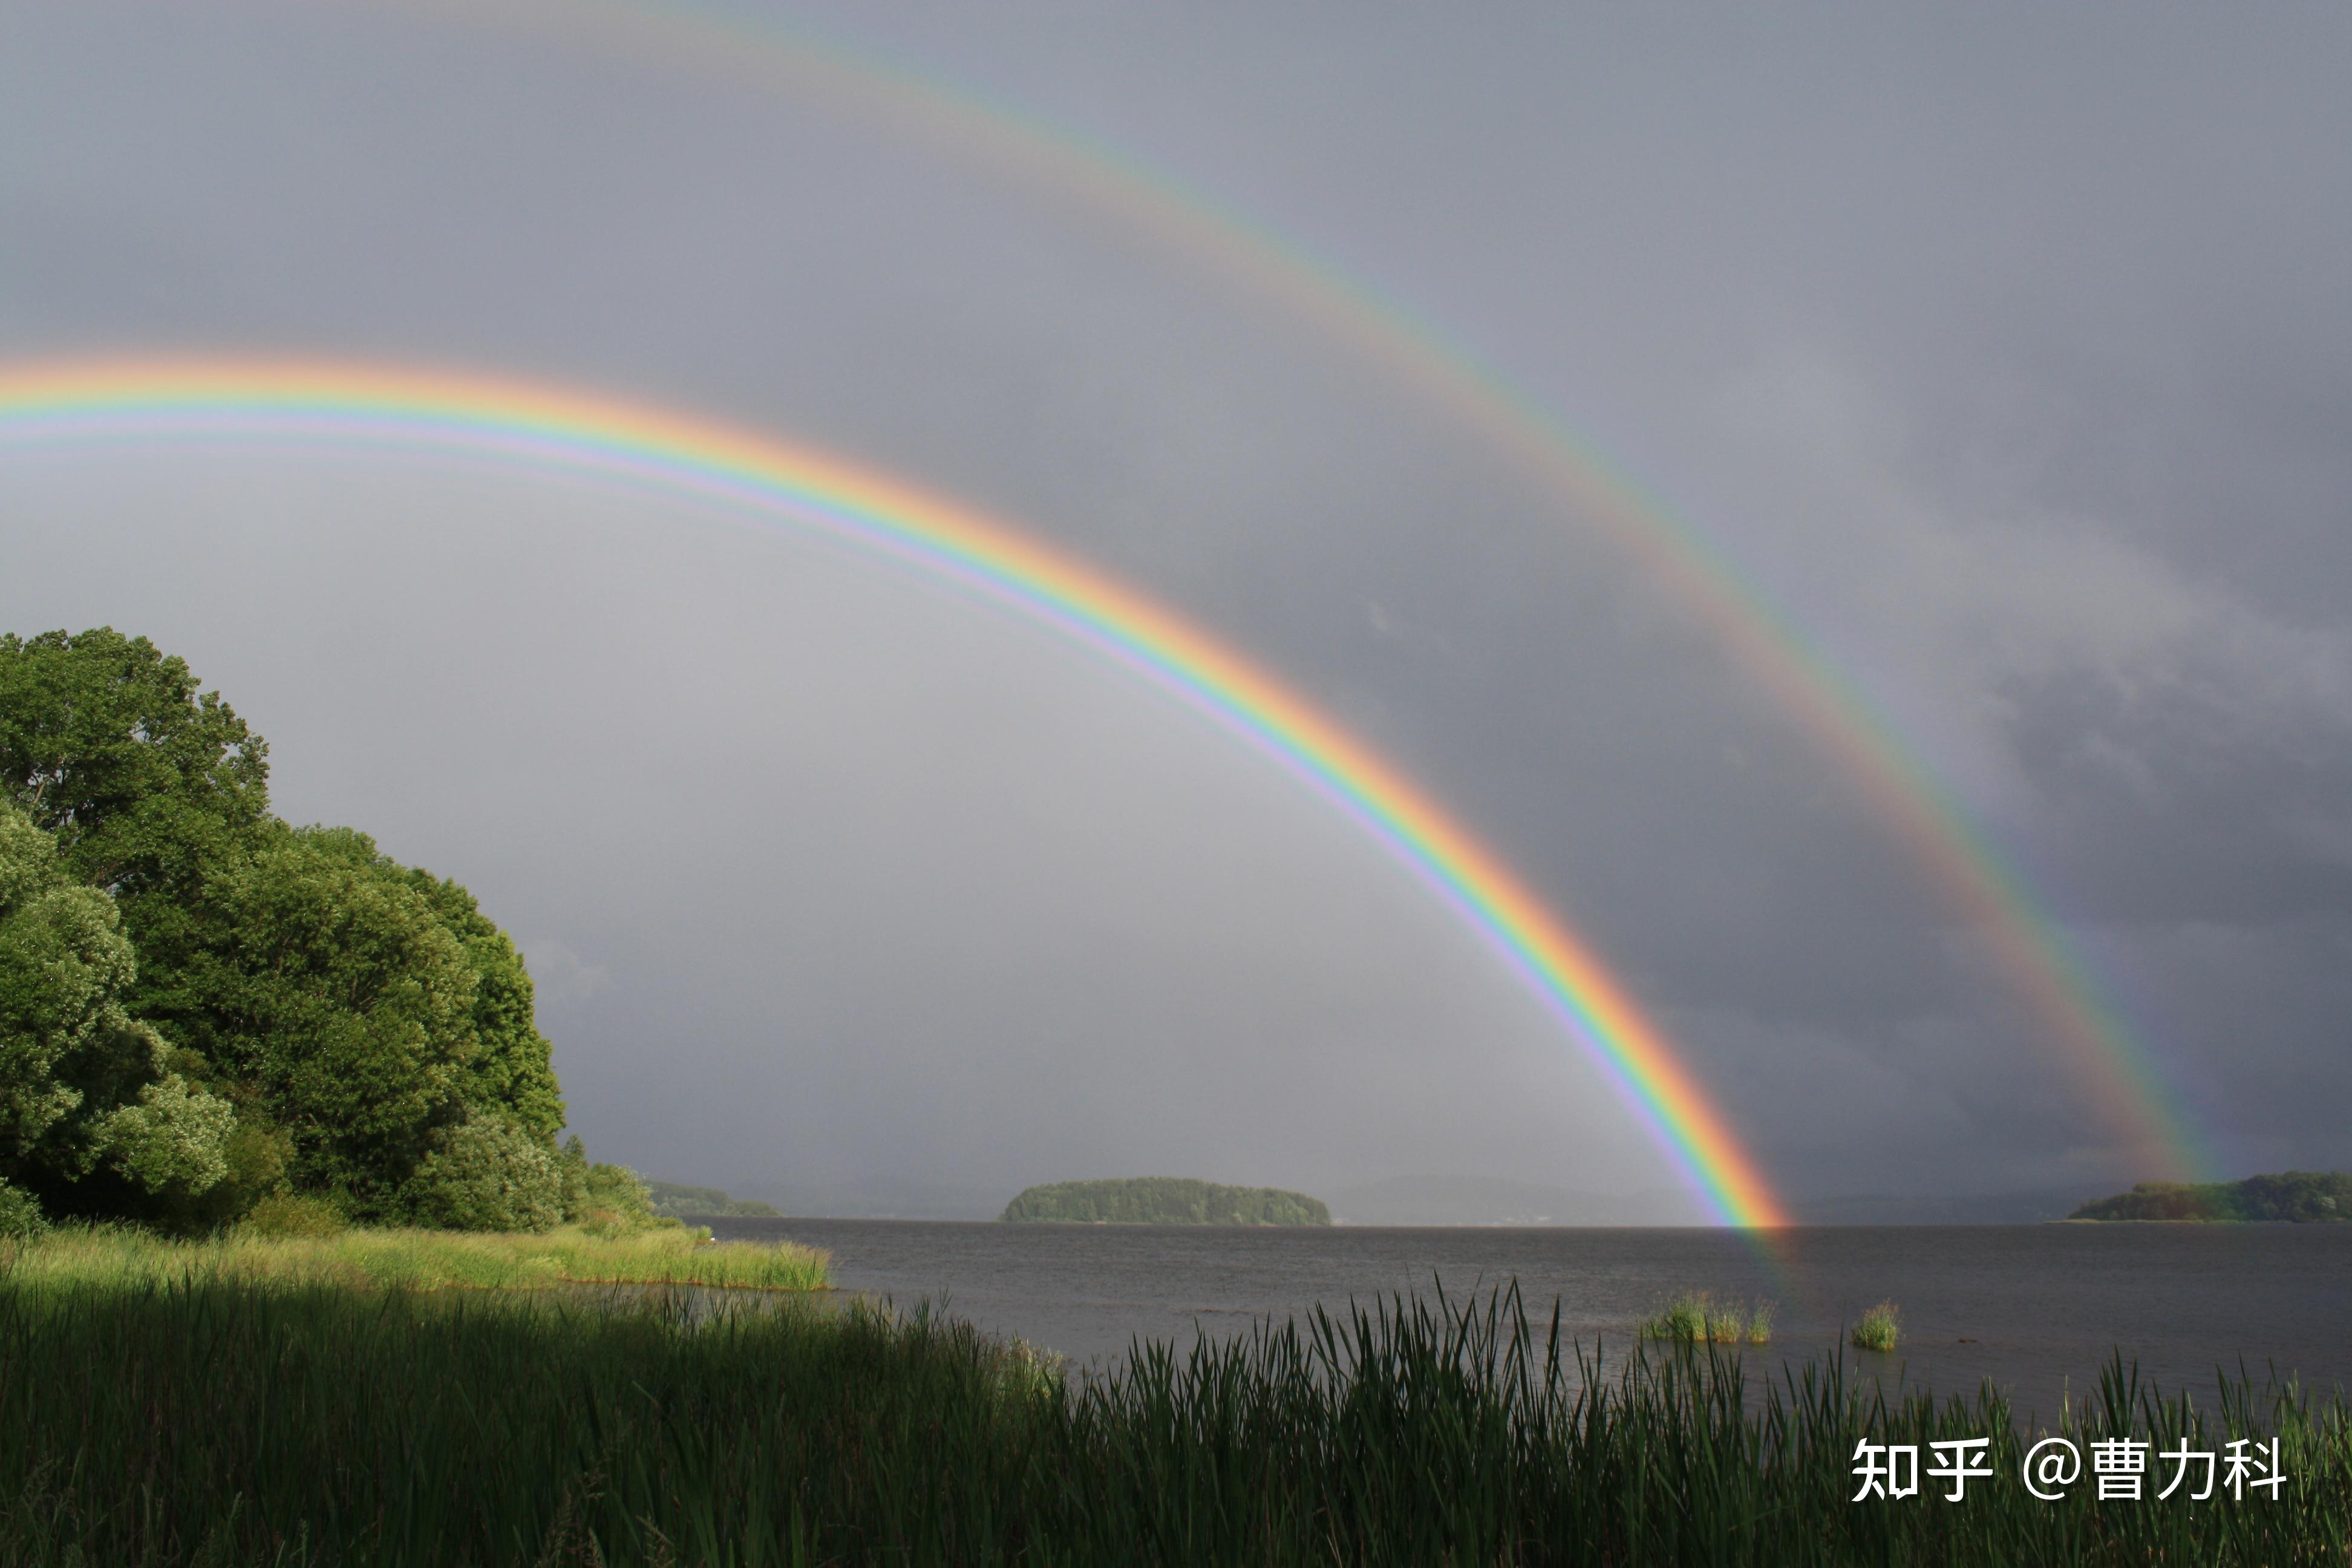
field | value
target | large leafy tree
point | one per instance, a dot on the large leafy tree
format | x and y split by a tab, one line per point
91	1113
354	1013
151	784
111	745
325	992
508	1066
364	1010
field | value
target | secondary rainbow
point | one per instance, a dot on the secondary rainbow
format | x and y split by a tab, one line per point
50	403
1987	885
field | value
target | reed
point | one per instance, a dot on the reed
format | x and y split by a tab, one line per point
120	1257
200	1421
1878	1328
1696	1317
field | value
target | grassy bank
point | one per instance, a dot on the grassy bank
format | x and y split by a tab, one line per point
117	1258
211	1423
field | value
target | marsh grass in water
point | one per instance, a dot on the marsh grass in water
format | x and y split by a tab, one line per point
1696	1317
210	1423
305	1254
1878	1328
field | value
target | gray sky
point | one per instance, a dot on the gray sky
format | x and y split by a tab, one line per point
2007	351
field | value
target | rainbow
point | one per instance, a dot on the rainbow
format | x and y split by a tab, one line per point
44	405
1988	888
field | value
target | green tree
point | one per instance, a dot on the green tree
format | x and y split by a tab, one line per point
89	1099
149	782
310	1013
362	1008
328	993
508	1068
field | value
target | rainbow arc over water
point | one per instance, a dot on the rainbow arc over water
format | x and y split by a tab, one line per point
1985	885
348	405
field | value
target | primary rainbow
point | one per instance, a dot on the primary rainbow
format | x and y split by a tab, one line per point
1987	885
52	403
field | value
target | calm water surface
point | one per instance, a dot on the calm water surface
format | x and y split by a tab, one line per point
2037	1309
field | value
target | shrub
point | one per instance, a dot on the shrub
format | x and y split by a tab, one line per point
618	1196
171	1134
19	1215
486	1175
571	1175
1878	1328
257	1158
610	1200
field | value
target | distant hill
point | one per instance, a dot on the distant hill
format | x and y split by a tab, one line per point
2294	1197
1164	1200
676	1200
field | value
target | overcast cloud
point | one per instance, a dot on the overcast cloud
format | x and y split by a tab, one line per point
2006	350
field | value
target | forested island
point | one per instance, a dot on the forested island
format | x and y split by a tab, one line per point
2291	1197
1164	1200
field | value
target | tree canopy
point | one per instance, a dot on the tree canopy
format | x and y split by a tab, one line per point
148	782
87	1093
201	1006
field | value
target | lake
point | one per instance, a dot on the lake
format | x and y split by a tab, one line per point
2037	1309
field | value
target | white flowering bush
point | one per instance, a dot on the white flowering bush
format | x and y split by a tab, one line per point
486	1175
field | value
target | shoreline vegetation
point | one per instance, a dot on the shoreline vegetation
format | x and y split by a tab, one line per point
122	1258
200	1421
1163	1200
2290	1197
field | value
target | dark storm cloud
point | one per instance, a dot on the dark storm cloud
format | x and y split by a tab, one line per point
2006	350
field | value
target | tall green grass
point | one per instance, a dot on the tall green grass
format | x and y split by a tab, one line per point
121	1257
205	1422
